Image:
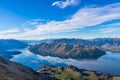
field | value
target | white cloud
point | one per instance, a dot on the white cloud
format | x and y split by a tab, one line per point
85	17
82	18
110	28
64	4
33	22
10	31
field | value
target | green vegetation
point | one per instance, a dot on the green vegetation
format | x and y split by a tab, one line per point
73	73
68	74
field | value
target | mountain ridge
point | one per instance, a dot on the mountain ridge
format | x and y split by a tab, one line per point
73	73
64	50
106	44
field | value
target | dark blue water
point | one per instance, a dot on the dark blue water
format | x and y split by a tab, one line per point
109	63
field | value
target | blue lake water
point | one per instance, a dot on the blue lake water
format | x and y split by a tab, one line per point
109	63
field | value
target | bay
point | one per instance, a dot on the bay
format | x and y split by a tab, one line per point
109	63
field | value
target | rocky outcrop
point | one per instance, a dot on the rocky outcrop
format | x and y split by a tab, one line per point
64	50
73	73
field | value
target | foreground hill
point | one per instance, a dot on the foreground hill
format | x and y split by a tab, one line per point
15	71
73	73
6	44
106	44
64	50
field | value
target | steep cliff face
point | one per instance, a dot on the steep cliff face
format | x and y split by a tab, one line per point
15	71
73	73
64	50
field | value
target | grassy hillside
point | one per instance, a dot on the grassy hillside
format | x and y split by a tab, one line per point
73	73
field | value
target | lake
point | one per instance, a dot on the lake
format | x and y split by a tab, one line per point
109	63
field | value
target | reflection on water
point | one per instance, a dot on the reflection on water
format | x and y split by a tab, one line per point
108	63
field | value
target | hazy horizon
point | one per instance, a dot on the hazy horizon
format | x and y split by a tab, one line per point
60	38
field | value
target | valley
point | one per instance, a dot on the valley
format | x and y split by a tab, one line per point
87	64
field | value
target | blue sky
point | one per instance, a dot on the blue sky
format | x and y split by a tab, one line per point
42	19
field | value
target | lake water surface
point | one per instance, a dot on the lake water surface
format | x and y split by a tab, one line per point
109	63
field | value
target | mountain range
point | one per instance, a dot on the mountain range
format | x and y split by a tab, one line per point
65	50
106	44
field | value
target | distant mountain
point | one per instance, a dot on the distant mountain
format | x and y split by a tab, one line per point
8	54
8	44
73	73
8	47
15	71
31	42
64	50
106	44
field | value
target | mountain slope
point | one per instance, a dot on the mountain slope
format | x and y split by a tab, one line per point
15	71
73	73
64	50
